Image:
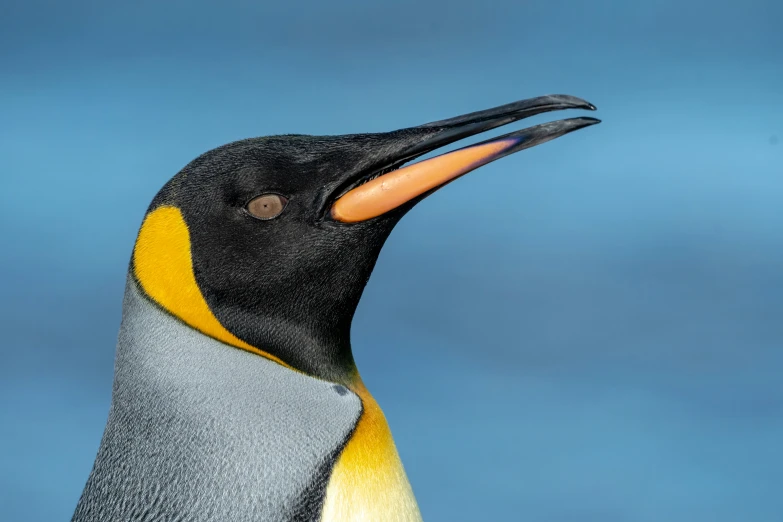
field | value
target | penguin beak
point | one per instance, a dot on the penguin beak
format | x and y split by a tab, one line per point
385	190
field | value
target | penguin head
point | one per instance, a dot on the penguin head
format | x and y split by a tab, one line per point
267	243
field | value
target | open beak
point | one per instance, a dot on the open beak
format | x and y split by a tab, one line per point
393	189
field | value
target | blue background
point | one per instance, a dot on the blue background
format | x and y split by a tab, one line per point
590	330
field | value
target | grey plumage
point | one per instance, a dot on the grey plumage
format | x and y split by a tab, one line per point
201	431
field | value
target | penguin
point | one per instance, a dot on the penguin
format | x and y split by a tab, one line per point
235	395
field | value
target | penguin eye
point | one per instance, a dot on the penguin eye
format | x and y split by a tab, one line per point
266	206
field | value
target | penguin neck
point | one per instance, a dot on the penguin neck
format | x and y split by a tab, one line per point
198	426
324	353
201	423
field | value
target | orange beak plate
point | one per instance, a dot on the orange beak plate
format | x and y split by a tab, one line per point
393	189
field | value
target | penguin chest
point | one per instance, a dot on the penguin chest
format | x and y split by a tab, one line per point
368	481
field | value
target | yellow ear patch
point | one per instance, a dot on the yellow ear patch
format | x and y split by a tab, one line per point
164	267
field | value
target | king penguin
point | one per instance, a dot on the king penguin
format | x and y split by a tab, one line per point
235	394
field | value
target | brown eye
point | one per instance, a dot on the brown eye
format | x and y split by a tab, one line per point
266	206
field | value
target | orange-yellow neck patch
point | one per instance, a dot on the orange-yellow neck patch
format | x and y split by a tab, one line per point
164	268
368	481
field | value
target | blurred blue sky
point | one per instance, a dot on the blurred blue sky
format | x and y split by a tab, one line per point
591	330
